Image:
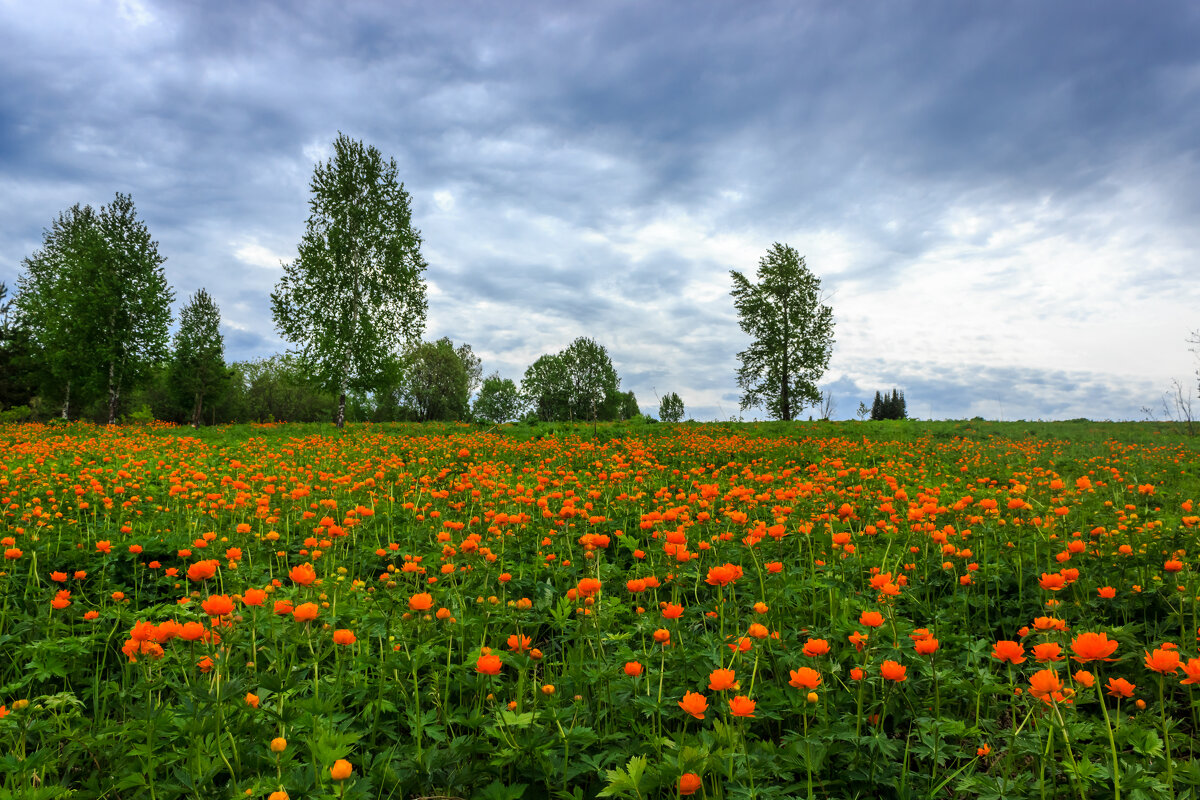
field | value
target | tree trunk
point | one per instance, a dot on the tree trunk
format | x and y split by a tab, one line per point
67	402
113	395
196	410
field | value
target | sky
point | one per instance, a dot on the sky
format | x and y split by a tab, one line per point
1001	200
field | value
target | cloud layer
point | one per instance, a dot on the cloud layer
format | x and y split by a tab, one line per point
999	200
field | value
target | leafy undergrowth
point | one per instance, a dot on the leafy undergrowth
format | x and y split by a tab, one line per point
650	611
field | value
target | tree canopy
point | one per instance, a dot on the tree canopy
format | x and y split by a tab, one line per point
792	334
356	293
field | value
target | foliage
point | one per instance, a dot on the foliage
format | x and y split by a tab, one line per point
198	363
670	408
356	292
499	400
232	611
792	334
275	389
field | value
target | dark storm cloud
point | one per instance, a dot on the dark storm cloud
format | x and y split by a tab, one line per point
560	158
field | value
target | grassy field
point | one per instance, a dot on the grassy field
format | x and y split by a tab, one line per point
892	610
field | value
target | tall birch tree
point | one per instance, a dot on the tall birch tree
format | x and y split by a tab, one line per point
356	293
792	332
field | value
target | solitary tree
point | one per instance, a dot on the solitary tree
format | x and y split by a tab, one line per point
356	293
198	365
792	333
592	381
499	400
670	407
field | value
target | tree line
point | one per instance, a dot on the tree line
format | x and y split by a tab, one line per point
87	334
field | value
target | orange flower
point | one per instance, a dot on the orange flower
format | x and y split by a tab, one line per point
672	611
283	607
202	570
893	671
983	751
1119	687
303	574
191	631
633	669
1192	670
662	636
1052	582
815	647
344	637
1107	592
254	597
341	770
1047	651
1163	660
62	599
518	643
205	664
306	612
723	575
488	664
742	706
1085	678
872	619
1006	650
689	782
926	647
218	605
722	679
758	630
1092	647
58	577
805	678
858	640
856	674
1045	685
695	704
420	602
252	700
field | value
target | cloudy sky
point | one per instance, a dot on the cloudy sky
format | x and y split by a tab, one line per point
1002	200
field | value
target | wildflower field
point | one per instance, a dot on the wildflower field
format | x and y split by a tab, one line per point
721	611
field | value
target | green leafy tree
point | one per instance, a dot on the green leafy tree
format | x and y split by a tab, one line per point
198	368
356	293
593	385
97	301
51	305
578	383
792	334
546	388
670	408
499	400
